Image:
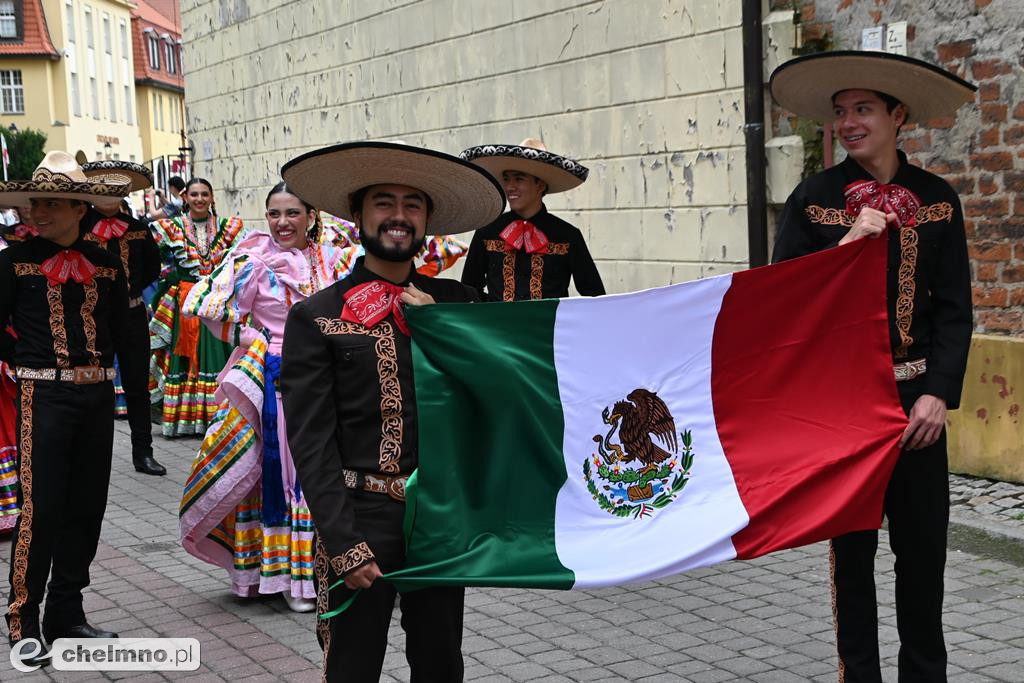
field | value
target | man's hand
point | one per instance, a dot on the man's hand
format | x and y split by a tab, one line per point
416	297
870	223
927	418
363	577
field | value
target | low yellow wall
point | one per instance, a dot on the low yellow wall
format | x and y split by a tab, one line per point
986	436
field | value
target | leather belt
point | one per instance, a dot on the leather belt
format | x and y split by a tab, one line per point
910	369
136	301
377	483
83	374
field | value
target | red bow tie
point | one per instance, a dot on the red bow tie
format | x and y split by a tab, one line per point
107	228
887	198
24	230
67	264
370	302
525	235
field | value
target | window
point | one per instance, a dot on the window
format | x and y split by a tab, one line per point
108	44
12	94
8	19
128	105
76	104
111	102
154	52
172	66
95	95
69	20
124	40
88	28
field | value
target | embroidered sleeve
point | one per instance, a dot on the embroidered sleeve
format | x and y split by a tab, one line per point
353	558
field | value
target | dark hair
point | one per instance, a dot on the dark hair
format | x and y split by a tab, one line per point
355	200
196	180
282	188
176	182
890	101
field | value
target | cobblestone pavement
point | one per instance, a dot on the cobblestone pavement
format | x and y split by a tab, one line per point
767	620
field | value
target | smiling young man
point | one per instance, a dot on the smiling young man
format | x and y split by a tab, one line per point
876	194
349	398
67	301
528	253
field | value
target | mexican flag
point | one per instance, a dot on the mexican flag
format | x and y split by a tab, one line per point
589	442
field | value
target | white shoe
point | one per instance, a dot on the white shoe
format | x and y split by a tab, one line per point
299	604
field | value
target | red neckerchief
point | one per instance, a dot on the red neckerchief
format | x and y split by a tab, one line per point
108	228
370	302
67	264
887	198
24	231
525	235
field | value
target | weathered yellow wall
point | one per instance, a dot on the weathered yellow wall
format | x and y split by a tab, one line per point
986	436
648	95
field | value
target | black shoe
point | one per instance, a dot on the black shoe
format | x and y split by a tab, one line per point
148	465
33	653
84	630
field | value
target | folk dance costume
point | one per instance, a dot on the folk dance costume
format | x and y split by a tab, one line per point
186	356
68	307
131	241
243	507
516	257
8	444
353	449
930	322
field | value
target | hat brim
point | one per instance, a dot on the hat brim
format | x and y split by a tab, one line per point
19	192
805	85
559	173
138	176
464	197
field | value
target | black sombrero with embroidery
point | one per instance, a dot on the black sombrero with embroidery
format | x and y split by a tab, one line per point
464	197
138	176
60	177
805	85
532	157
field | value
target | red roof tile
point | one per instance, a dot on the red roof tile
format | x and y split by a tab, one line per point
36	39
146	17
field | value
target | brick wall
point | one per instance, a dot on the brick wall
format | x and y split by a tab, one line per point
647	94
980	151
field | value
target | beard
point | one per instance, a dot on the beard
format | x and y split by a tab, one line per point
373	244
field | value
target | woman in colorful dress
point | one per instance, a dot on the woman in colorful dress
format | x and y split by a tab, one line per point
186	356
242	507
8	446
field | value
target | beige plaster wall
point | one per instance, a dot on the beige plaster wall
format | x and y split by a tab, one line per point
647	93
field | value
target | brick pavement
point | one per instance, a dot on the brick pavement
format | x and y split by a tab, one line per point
767	620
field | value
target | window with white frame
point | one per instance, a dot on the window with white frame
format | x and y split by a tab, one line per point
108	43
87	19
111	101
69	20
8	19
124	40
12	93
128	117
95	97
172	63
76	101
154	52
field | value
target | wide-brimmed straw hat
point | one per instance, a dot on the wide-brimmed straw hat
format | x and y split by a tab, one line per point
531	157
136	175
60	177
805	85
463	196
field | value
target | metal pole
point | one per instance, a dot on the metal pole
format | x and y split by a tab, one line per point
753	128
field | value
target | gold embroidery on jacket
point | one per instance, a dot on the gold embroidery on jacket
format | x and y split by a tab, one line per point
906	287
536	276
89	323
392	425
351	558
60	337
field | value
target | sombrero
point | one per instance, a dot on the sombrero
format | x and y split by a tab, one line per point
532	157
59	176
463	196
138	176
805	85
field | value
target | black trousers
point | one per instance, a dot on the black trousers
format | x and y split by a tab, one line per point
917	508
65	439
354	642
135	382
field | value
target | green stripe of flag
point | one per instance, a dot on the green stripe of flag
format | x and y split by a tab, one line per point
471	524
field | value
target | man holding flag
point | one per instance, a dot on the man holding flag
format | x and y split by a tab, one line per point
349	399
875	193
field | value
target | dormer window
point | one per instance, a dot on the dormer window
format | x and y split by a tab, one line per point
8	20
154	51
